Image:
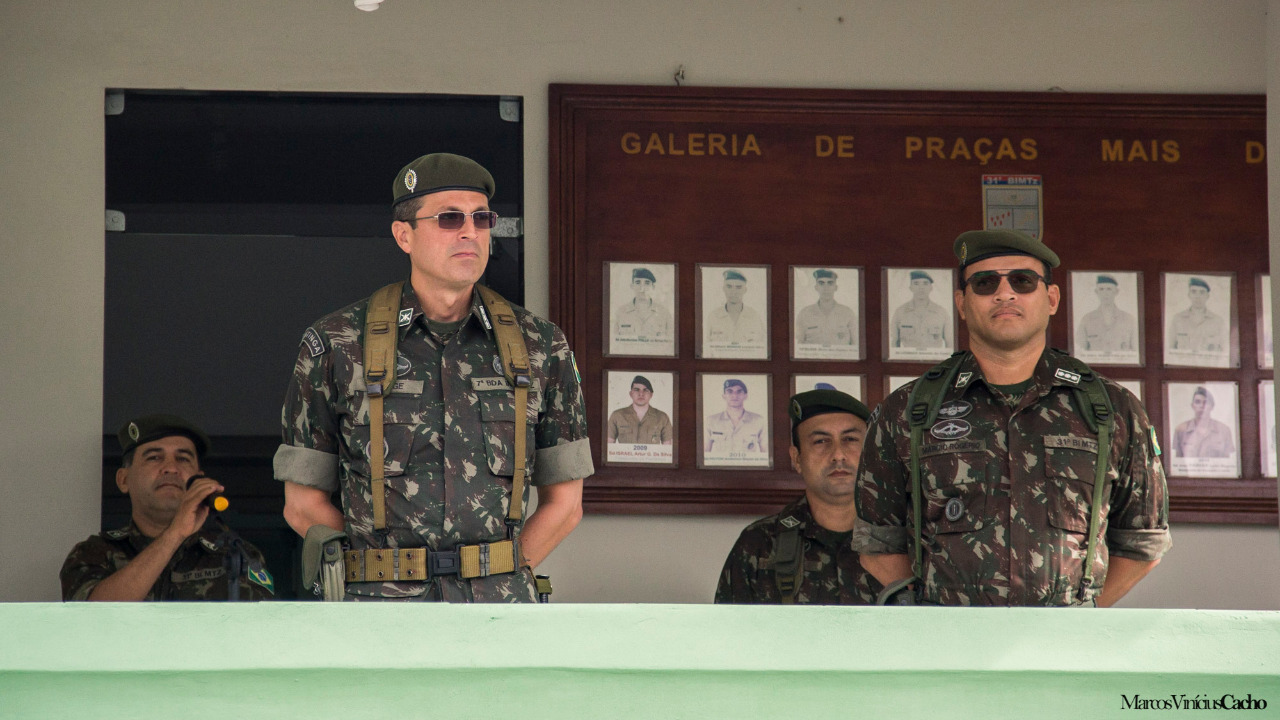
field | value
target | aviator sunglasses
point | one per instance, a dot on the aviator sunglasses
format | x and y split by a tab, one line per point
455	219
987	282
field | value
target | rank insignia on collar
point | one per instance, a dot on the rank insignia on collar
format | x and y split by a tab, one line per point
1064	374
406	317
789	522
963	379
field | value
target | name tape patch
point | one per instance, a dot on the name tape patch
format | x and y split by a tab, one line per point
314	344
957	446
489	383
1071	442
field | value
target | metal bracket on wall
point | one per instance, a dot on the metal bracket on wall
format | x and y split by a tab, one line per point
509	108
115	221
114	103
508	227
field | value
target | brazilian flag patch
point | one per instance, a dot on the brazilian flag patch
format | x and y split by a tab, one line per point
574	359
1155	444
262	577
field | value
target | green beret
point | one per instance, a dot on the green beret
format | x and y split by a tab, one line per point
1195	281
1108	280
438	172
921	275
734	275
812	403
735	381
643	273
823	273
153	427
642	380
977	245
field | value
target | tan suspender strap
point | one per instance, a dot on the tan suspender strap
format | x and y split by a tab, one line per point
379	356
515	363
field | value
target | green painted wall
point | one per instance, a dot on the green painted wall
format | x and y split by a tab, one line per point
621	661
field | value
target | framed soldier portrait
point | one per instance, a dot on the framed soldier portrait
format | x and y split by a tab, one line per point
1199	320
1266	346
732	307
734	420
1267	427
1105	310
920	322
826	313
893	382
1133	386
855	385
640	298
1203	429
640	407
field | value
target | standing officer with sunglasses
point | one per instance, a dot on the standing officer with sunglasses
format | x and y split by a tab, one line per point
462	419
979	482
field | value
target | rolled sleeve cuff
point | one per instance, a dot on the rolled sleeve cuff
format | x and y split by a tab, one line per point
566	461
880	539
1140	545
305	466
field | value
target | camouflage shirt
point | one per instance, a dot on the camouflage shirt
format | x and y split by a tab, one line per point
1008	490
197	570
449	437
831	575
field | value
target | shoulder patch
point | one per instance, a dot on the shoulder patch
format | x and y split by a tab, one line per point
262	577
1155	444
314	344
789	522
574	359
1067	375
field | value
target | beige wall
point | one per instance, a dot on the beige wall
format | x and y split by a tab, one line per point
57	56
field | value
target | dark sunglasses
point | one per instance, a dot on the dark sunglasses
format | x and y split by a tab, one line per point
455	219
987	282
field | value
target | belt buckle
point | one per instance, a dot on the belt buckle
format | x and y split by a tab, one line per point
444	562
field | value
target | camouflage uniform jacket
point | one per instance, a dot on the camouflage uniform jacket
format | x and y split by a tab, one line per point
197	570
831	575
449	434
1008	490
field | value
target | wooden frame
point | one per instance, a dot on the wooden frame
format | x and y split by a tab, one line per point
878	179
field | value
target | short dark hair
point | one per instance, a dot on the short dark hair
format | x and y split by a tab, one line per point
407	211
127	459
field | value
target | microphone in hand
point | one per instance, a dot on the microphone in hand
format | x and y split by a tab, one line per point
216	502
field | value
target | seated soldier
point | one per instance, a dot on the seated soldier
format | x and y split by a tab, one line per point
171	550
802	555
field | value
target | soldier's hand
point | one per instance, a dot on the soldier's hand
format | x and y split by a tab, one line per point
192	512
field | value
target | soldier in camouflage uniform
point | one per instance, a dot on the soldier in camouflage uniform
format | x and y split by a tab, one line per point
449	420
802	554
170	550
1007	470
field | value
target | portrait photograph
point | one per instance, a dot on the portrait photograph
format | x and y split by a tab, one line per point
826	313
855	385
1267	427
1266	346
1106	317
733	311
640	407
1199	316
734	421
1202	429
642	302
920	318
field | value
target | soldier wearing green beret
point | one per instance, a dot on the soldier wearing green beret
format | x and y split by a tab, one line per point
639	423
826	322
644	318
1008	501
802	554
171	549
1198	329
735	323
1107	328
445	521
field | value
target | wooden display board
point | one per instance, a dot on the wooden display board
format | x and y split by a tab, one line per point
877	183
